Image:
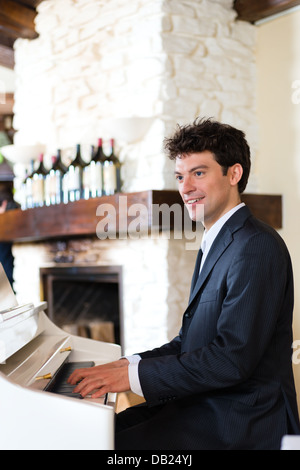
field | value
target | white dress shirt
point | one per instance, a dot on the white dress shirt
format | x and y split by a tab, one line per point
209	237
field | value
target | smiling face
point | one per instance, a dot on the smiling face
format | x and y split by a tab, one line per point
201	180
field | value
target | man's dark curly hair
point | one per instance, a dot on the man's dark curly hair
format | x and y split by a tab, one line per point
227	144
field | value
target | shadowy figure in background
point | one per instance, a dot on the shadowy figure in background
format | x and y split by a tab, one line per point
7	203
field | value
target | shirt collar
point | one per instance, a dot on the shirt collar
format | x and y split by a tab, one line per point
210	235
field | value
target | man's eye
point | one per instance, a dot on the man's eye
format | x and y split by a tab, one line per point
199	173
179	178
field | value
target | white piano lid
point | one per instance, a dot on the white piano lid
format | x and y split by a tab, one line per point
10	313
20	329
19	324
7	296
9	307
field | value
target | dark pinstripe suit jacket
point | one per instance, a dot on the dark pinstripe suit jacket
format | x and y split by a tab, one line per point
226	380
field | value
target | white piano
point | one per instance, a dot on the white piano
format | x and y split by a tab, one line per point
31	347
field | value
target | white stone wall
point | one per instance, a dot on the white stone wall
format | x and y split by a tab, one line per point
132	70
99	60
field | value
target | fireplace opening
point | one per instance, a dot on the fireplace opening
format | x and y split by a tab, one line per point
85	300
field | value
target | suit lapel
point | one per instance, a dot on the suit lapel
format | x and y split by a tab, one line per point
222	241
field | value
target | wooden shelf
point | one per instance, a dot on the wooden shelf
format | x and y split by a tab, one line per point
255	10
81	218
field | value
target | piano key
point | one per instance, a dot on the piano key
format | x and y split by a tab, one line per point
58	384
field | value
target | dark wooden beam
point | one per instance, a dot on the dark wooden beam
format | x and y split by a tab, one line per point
266	208
7	57
17	20
31	3
255	10
6	40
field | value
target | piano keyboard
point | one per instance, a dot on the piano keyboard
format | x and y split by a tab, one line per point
58	384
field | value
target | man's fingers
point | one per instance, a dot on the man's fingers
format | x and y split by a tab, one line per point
99	380
78	375
87	385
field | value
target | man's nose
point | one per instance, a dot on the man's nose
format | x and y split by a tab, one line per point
188	185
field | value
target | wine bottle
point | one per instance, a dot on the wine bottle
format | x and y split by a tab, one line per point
111	173
87	176
38	184
75	177
60	170
96	171
49	183
24	192
28	187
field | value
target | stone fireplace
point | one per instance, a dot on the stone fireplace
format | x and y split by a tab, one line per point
156	275
85	300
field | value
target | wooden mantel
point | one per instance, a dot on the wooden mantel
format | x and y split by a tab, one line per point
81	218
255	10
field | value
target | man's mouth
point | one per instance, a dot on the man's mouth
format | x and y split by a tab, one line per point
194	201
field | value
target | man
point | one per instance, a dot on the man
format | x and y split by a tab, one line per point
226	381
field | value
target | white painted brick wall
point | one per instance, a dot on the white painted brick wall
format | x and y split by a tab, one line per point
166	59
169	60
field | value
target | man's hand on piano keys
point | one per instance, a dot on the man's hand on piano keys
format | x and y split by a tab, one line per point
111	377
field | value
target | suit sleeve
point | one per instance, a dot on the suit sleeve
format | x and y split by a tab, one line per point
257	282
171	348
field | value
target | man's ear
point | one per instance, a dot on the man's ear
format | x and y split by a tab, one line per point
235	173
